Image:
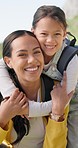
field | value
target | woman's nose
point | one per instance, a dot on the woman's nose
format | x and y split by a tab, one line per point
31	59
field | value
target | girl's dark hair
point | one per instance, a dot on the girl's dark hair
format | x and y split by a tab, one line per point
53	12
21	125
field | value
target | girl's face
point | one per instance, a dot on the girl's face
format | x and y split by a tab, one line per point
50	34
27	59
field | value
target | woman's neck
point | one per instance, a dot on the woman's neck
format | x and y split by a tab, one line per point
31	89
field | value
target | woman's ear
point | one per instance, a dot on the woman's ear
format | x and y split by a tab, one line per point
7	60
32	30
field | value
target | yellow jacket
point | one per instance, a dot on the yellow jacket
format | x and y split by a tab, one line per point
55	137
56	133
5	135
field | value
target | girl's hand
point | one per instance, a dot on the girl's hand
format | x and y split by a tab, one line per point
60	97
16	104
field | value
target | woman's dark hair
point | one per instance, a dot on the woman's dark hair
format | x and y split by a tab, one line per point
53	12
21	125
7	49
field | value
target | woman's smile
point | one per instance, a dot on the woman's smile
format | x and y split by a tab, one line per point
31	69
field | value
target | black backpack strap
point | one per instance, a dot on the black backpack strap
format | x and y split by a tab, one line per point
47	85
67	54
73	41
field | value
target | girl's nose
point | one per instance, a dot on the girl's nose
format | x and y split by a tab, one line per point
50	38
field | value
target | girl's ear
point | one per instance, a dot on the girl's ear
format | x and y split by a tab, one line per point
65	34
7	60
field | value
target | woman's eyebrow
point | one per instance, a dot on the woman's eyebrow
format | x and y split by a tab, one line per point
25	50
22	50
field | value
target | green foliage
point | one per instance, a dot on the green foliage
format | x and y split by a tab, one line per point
0	50
73	26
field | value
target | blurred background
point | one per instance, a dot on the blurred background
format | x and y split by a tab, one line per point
18	14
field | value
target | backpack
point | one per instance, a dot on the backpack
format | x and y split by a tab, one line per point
46	86
68	53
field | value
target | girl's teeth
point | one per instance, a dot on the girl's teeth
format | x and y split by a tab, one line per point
50	46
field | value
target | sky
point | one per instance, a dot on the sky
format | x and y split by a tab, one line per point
18	14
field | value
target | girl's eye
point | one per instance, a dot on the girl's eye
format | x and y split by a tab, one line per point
37	52
57	34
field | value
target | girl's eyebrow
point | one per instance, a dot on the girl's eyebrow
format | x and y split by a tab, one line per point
36	47
24	50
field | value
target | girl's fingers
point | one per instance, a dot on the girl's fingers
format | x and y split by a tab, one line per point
19	97
4	100
23	100
56	85
25	105
15	94
64	81
71	94
24	109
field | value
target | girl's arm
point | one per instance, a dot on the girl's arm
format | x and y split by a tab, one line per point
72	74
37	109
6	84
73	114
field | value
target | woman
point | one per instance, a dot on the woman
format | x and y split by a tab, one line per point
25	64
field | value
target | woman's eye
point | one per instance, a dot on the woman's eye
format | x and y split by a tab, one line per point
22	55
44	34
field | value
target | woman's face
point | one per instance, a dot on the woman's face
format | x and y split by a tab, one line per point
50	34
27	59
